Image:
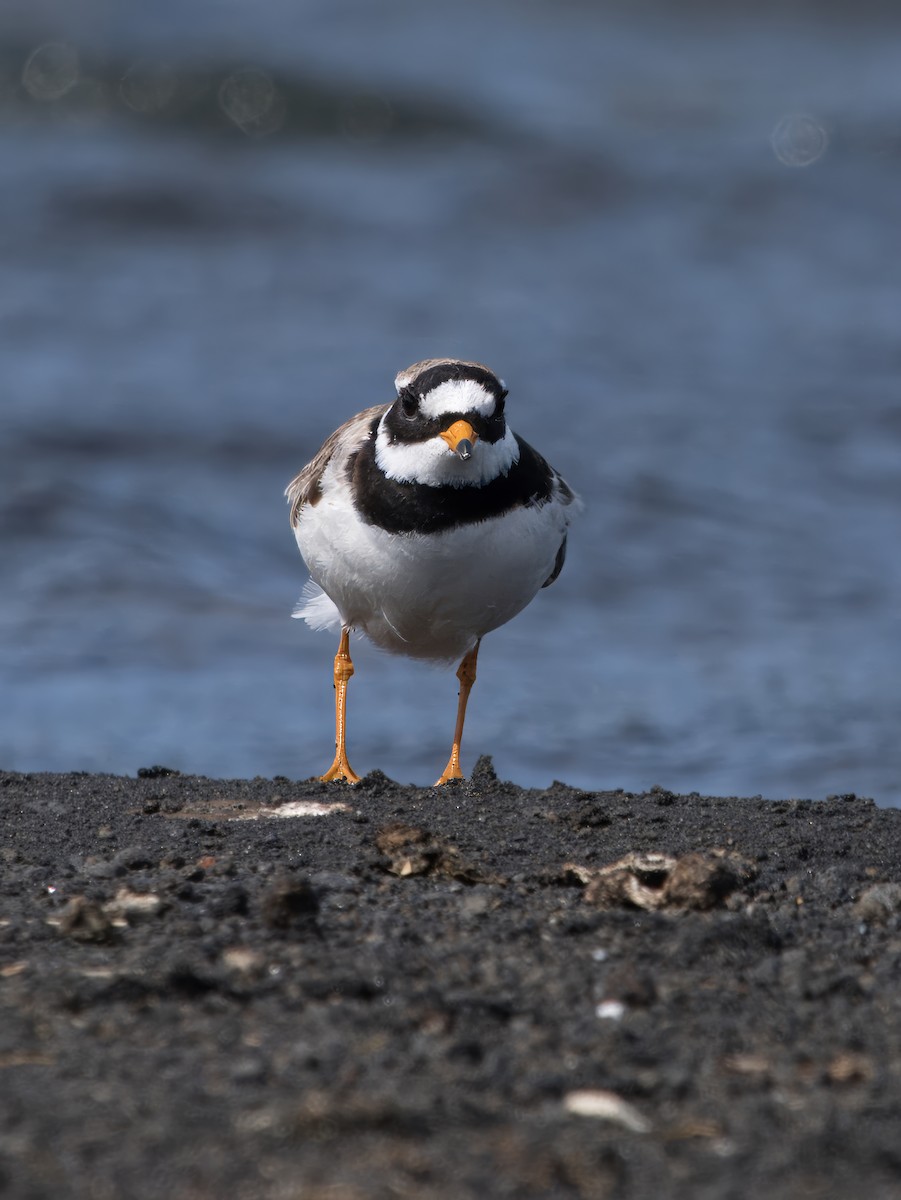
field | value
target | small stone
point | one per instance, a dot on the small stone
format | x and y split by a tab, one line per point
243	959
748	1064
475	904
84	921
879	903
134	858
248	1069
289	902
411	851
610	1010
100	868
849	1068
133	906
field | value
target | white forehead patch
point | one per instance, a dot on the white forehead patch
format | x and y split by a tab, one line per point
457	396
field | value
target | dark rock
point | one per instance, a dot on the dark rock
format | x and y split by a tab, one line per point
289	902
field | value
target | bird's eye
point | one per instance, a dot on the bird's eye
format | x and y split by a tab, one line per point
409	403
499	404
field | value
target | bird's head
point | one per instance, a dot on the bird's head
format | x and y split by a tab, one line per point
447	426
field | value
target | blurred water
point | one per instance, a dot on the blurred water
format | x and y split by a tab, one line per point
224	229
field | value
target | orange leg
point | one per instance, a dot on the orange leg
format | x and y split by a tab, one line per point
466	673
344	668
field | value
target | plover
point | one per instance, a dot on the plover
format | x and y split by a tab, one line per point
426	523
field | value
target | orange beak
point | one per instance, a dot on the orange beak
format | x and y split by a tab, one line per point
460	437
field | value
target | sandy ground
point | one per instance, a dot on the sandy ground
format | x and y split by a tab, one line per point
426	994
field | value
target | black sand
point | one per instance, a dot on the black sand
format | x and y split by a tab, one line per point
197	1005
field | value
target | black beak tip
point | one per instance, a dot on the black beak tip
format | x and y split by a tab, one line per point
464	448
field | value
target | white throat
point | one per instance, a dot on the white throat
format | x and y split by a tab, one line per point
433	464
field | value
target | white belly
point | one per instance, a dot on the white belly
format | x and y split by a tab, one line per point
434	595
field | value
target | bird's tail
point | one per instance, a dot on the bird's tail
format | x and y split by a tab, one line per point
315	607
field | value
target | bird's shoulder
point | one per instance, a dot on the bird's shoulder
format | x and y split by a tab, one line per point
305	488
540	480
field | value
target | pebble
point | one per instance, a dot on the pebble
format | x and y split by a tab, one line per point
879	903
606	1106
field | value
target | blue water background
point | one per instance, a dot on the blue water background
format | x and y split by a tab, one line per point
677	235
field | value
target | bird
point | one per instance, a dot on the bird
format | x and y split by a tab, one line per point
426	523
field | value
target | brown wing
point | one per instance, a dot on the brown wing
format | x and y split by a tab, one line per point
304	488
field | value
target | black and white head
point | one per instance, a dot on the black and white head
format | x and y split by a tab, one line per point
447	426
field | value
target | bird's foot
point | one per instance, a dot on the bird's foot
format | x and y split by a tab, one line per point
340	769
452	770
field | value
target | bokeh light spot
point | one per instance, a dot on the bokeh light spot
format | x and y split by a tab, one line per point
251	100
799	140
50	71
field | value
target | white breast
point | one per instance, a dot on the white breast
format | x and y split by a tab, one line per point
427	595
